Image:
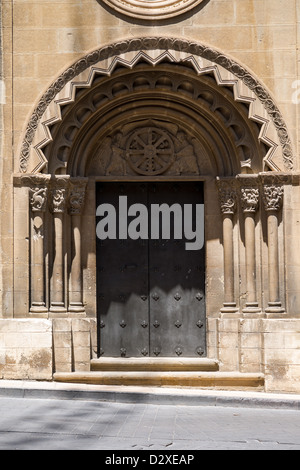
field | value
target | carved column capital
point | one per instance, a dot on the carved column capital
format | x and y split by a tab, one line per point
38	197
58	195
249	199
227	196
273	197
76	199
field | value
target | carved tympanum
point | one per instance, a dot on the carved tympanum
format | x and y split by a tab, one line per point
148	150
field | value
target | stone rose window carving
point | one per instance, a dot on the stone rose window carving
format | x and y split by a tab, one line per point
150	151
152	9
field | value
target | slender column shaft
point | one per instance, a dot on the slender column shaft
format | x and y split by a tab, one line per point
37	265
76	304
250	201
250	258
227	196
38	199
57	284
273	198
76	203
228	260
273	262
58	201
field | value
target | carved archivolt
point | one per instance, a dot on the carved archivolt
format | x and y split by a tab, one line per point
152	9
128	54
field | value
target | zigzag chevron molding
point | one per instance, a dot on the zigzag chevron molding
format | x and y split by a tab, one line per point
246	88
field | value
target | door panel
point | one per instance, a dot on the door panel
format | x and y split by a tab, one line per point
150	293
122	284
175	279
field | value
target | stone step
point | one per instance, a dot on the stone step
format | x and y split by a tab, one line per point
154	364
214	380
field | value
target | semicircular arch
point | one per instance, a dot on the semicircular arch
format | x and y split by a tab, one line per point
217	90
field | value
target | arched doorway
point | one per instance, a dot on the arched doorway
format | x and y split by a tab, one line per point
100	123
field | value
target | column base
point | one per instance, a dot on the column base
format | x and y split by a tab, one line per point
229	309
274	310
76	307
38	307
252	308
274	307
58	307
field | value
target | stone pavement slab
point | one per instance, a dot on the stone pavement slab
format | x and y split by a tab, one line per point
73	424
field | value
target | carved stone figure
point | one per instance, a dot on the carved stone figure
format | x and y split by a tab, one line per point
249	199
76	198
273	197
38	199
186	161
58	200
227	198
117	165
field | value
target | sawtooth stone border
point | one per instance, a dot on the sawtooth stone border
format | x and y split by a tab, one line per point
204	59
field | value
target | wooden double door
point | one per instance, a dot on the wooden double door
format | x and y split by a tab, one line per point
150	290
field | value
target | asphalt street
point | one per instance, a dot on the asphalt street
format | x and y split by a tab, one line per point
51	424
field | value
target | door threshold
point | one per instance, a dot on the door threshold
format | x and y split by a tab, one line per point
154	364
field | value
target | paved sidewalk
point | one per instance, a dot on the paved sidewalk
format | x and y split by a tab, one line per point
73	424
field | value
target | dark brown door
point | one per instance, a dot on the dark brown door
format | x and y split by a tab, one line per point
150	291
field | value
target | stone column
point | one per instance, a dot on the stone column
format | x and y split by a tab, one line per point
250	201
57	206
273	198
76	203
38	203
227	197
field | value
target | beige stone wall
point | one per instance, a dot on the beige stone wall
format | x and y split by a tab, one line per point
26	349
40	39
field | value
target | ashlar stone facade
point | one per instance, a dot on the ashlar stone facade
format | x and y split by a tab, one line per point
204	91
